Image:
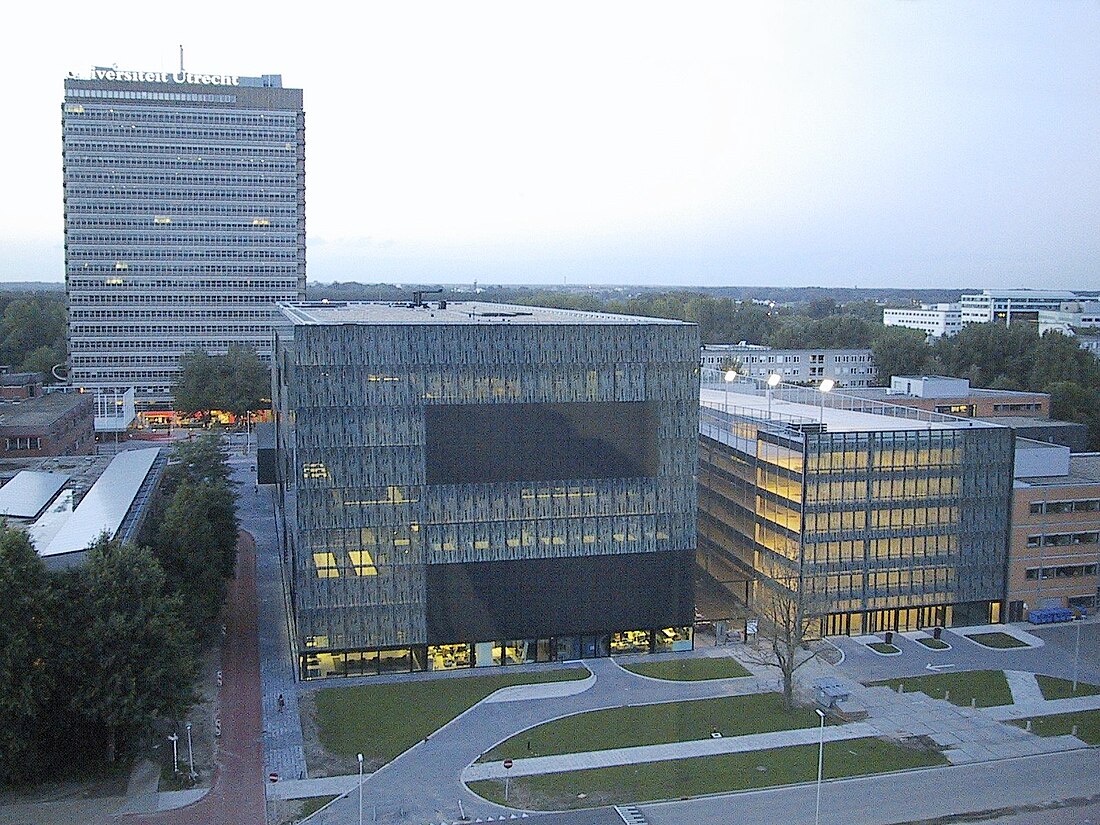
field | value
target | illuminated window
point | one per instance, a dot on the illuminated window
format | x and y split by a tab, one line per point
261	222
162	219
314	471
326	565
362	563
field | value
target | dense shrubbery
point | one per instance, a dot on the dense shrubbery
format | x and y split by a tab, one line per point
93	656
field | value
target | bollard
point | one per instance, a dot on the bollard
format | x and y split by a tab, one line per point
973	701
901	687
1028	725
947	696
1074	731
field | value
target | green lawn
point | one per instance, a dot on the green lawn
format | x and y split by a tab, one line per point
690	670
934	644
1087	721
313	805
382	721
1055	688
653	725
997	640
705	775
882	647
989	687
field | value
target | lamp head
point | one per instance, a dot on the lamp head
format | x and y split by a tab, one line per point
827	385
774	379
731	375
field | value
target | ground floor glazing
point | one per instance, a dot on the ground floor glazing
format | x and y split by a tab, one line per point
318	663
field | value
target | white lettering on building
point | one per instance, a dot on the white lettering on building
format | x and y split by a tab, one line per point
167	77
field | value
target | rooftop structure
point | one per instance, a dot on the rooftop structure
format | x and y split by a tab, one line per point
955	396
113	506
29	493
451	313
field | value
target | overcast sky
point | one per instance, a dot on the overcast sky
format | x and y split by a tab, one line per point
851	144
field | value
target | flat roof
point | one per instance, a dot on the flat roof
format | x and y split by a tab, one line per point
884	394
28	493
105	505
41	411
841	412
1084	468
455	313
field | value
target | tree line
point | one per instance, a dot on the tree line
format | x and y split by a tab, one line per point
94	656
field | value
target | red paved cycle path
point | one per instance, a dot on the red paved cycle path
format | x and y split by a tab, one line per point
237	795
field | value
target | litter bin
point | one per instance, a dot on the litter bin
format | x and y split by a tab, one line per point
936	631
889	637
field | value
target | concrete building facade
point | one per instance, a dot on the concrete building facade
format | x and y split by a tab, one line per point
871	517
934	320
472	484
1055	553
48	425
1007	305
847	367
184	220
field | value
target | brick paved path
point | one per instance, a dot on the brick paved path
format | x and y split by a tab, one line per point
237	796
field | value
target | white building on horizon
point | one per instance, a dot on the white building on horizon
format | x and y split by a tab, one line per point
934	320
1008	305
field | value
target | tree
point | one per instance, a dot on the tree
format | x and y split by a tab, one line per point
790	620
200	460
236	382
138	656
196	544
900	351
25	679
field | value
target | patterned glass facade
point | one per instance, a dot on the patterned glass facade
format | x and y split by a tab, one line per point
876	530
184	223
386	564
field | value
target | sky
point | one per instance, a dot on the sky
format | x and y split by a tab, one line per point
909	143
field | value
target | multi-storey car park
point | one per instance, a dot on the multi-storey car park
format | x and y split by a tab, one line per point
184	220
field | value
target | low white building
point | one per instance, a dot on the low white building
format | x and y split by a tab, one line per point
847	367
1007	305
934	320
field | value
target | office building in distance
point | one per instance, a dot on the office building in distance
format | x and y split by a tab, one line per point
847	367
184	221
473	484
1006	306
868	516
934	320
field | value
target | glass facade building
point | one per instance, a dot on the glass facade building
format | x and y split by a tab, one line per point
871	517
184	221
471	484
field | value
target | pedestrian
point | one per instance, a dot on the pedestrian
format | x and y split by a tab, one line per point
282	703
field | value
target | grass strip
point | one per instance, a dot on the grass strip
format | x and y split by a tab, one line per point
1087	722
1001	641
690	670
630	726
883	647
382	721
672	779
1055	688
934	644
988	687
312	805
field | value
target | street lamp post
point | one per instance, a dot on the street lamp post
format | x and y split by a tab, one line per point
360	757
825	387
1076	654
190	752
773	382
174	738
820	763
730	376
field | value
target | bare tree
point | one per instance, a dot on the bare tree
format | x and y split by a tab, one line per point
790	620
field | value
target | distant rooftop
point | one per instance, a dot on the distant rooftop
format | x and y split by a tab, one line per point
27	495
834	411
41	411
451	313
1084	468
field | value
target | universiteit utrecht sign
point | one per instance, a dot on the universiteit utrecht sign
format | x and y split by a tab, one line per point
167	77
